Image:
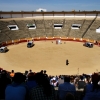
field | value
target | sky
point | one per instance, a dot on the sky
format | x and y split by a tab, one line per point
49	5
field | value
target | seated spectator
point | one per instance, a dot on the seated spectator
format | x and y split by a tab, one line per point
60	80
26	73
45	73
65	88
54	82
81	83
12	73
42	71
31	81
4	81
17	90
44	91
93	92
70	96
72	80
88	86
30	71
76	79
1	69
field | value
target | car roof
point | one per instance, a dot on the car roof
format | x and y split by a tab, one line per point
91	43
2	47
30	42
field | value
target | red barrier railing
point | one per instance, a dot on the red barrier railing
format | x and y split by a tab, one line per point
47	38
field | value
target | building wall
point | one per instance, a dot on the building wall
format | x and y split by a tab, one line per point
6	15
69	15
98	16
90	15
27	15
37	15
48	15
16	16
79	15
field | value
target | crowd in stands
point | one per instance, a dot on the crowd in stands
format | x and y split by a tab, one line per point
40	86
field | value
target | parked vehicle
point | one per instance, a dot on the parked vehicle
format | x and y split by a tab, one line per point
30	44
3	49
88	44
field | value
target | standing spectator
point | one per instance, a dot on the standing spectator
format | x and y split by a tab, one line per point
60	80
81	83
31	81
4	81
72	80
44	91
65	88
54	81
17	90
12	73
45	73
88	86
92	92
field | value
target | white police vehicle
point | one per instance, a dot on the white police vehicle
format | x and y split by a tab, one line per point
3	49
88	44
30	44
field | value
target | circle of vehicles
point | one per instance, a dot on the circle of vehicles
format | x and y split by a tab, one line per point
4	49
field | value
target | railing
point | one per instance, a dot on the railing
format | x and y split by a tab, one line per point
7	43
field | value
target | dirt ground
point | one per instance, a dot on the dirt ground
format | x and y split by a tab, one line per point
49	56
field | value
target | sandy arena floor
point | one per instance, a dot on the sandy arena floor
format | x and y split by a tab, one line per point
46	55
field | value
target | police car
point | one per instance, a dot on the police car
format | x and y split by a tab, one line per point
30	44
3	49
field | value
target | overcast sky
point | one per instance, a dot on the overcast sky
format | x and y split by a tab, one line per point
50	5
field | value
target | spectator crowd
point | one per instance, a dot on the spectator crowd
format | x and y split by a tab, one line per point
41	86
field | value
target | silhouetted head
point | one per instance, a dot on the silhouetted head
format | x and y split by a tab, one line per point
95	78
41	71
45	71
42	80
66	78
12	71
31	76
19	78
81	77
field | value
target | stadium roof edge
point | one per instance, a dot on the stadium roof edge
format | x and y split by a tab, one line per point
50	12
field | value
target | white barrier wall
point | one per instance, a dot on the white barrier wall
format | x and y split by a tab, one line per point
98	16
69	15
38	15
6	15
49	15
27	15
16	16
58	15
90	15
79	15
